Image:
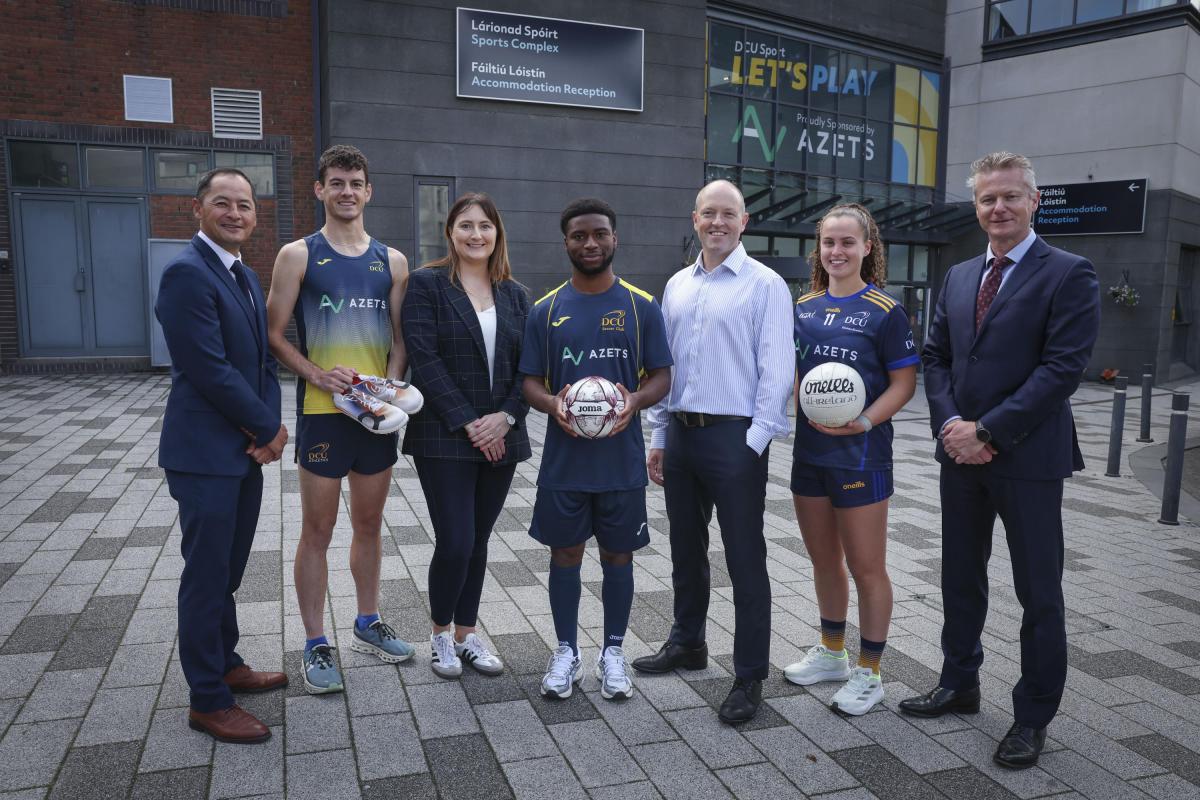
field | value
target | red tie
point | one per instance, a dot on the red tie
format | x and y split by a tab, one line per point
987	292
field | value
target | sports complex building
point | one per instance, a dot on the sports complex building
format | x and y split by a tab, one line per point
110	109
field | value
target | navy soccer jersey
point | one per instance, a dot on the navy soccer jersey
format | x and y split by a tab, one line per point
618	334
870	332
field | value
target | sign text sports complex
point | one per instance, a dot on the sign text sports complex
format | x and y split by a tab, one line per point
529	59
1097	207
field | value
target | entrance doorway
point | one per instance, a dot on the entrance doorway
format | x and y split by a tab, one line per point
81	275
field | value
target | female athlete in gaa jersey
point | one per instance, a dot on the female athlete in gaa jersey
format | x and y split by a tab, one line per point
842	477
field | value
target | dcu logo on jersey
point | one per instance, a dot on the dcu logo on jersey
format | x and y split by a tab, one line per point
856	322
613	321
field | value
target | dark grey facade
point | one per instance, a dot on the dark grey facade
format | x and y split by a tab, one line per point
389	84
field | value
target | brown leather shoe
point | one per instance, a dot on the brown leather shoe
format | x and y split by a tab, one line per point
243	679
235	725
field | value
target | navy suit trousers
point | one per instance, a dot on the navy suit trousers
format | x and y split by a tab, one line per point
219	515
1031	511
711	466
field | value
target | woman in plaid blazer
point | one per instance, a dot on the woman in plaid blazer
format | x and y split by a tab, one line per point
463	320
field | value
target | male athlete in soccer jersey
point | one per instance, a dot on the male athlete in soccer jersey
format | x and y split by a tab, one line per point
868	331
594	324
345	289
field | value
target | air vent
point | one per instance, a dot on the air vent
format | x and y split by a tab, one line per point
237	113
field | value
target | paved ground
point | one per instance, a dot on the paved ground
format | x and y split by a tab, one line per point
92	700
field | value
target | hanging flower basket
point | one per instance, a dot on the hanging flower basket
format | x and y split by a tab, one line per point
1123	294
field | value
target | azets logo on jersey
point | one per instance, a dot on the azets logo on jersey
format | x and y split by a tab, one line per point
377	266
355	302
613	321
594	354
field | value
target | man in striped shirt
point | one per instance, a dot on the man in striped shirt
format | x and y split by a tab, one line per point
729	323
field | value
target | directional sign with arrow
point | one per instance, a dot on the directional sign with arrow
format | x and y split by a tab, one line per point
1075	209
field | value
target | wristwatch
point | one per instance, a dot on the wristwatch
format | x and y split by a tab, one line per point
982	433
510	419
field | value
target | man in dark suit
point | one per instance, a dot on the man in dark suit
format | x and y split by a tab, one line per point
1010	338
222	423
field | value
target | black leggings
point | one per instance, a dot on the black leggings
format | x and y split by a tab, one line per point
465	498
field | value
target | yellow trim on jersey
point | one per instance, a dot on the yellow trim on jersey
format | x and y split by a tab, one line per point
884	301
804	298
552	295
552	292
635	289
637	321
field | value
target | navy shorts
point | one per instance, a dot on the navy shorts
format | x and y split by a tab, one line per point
617	519
845	488
333	445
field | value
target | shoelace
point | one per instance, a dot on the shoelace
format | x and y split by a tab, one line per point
860	682
476	649
385	631
444	648
614	664
321	656
561	662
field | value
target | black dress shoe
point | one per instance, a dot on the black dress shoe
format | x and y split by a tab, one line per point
743	701
1021	747
942	701
671	656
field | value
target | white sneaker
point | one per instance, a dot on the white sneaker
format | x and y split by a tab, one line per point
613	675
473	651
562	673
398	393
444	660
861	693
370	412
819	664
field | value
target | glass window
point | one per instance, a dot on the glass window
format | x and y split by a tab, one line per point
927	158
1089	10
259	168
931	97
1007	19
908	89
881	82
787	246
433	204
1049	14
112	168
757	245
823	78
721	56
793	83
897	263
904	154
44	165
756	131
920	267
854	79
724	121
178	171
760	54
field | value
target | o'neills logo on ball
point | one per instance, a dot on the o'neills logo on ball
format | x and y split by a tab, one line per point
829	386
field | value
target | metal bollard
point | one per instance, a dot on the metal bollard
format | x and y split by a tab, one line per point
1147	391
1173	478
1118	428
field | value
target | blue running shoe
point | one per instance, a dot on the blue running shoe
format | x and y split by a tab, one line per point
380	640
321	674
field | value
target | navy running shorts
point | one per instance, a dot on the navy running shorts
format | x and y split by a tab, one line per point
617	519
845	488
333	445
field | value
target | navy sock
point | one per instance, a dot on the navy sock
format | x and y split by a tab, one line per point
617	596
311	643
565	587
363	621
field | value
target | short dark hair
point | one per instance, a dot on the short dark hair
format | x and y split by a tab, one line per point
207	178
587	205
342	156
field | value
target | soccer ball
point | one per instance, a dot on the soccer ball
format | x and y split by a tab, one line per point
592	406
832	394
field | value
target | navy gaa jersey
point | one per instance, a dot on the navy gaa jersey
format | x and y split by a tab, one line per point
618	334
869	331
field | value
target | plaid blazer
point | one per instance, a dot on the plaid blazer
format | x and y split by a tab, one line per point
449	366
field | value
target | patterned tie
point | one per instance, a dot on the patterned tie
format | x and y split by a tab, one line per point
987	292
239	275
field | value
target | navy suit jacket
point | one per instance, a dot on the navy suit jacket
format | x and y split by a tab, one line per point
224	382
1018	373
449	365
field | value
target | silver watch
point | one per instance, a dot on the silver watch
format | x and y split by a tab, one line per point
510	419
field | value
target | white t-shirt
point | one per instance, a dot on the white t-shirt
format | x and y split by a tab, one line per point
487	322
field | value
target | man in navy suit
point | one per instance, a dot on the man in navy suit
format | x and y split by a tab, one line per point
1011	335
221	425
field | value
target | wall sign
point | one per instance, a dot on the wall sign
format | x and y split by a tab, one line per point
528	59
1074	209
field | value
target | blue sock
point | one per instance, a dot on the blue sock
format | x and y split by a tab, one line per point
617	596
311	643
363	621
565	588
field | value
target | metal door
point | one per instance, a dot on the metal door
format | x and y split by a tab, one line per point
82	275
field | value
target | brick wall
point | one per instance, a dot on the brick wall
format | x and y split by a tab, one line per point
63	64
